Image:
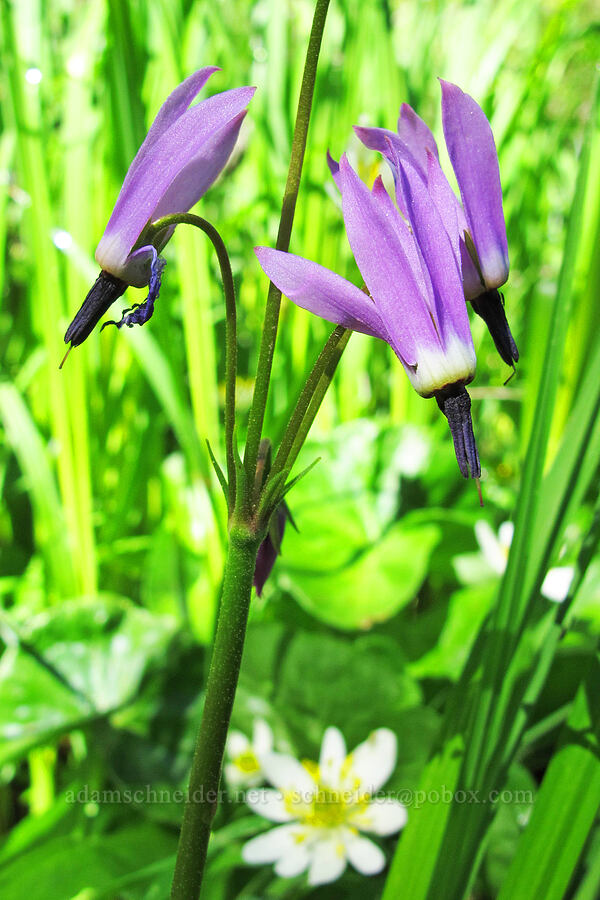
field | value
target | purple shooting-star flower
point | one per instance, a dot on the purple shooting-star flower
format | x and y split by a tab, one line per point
474	158
184	151
477	232
415	301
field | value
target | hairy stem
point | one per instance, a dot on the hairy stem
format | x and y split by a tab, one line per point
230	328
202	800
271	320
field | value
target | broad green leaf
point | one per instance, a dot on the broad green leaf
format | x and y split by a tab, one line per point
63	868
350	564
72	664
371	587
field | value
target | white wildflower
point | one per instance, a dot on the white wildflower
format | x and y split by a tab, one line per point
323	808
244	767
495	549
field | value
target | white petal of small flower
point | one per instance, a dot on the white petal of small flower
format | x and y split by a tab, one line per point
262	737
374	760
333	754
268	803
287	774
273	845
557	582
364	855
328	861
493	549
382	816
294	863
321	842
237	743
505	536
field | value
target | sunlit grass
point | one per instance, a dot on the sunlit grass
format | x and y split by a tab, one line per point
108	493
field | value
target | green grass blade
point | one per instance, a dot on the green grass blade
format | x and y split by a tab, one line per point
50	533
565	808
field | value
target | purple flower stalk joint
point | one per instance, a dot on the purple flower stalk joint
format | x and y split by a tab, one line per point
476	228
270	547
183	153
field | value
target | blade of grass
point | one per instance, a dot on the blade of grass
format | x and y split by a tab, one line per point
25	111
27	445
565	808
78	129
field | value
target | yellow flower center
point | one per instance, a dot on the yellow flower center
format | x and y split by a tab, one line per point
327	807
247	763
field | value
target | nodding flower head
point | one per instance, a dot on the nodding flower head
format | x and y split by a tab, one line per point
476	228
414	298
181	156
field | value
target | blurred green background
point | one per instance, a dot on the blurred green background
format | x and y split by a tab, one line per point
112	527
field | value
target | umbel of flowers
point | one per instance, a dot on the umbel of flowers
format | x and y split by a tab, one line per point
420	257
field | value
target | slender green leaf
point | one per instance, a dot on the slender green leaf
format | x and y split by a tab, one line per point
566	806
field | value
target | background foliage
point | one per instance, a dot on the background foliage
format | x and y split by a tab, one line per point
112	528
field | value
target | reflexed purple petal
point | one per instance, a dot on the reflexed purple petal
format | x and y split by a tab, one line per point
377	139
197	176
446	202
387	205
174	106
417	136
437	366
391	147
453	217
176	147
322	292
474	158
434	243
386	269
407	243
472	285
334	166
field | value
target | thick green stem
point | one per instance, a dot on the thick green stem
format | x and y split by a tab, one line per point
230	327
271	321
223	675
203	795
